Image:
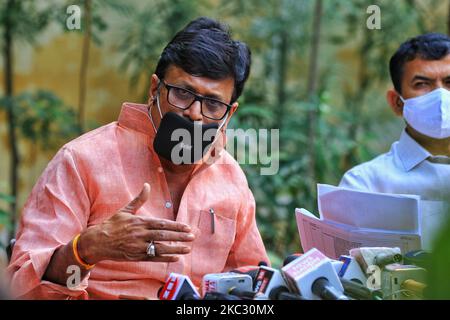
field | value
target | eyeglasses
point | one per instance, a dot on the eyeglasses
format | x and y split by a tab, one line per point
182	98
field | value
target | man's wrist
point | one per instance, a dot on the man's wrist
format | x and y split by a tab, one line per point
86	246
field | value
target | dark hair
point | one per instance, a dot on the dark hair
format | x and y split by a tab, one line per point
430	46
205	48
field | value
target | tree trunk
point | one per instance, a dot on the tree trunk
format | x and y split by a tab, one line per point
448	19
282	68
312	92
84	64
350	158
9	91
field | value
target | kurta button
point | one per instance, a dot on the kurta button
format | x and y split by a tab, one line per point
168	205
160	169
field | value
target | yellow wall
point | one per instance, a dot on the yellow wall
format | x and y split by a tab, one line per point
54	65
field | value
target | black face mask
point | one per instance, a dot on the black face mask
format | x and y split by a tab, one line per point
182	141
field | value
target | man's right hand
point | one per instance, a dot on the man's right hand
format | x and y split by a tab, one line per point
125	236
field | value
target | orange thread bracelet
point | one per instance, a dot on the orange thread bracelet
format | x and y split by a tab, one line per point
87	266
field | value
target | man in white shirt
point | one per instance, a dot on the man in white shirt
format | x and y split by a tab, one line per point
419	163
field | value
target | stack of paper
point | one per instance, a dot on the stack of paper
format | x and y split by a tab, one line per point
352	219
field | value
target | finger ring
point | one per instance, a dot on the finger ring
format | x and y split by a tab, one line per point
151	249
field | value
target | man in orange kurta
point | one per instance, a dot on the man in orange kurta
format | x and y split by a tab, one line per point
115	207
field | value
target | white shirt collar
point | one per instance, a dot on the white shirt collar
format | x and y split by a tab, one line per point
410	152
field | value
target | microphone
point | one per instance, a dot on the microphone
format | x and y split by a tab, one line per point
337	265
360	292
415	287
313	276
418	258
178	287
291	258
323	288
403	282
351	270
245	295
283	293
252	271
383	259
267	279
379	256
224	282
270	284
219	296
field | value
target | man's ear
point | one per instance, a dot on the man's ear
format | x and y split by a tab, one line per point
394	101
154	81
233	109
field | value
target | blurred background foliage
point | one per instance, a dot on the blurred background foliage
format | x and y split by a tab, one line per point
438	267
318	74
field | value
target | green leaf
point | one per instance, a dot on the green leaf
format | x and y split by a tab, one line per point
7	198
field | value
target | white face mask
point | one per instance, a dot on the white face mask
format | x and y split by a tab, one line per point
429	114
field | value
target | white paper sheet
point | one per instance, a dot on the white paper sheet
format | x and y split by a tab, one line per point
334	239
369	210
434	215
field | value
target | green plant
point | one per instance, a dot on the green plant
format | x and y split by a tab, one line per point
43	119
439	265
5	215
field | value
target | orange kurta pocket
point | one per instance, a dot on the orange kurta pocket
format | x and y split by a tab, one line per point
212	246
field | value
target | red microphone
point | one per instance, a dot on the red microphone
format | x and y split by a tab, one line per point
178	287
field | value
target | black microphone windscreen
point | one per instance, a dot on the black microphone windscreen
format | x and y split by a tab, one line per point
219	296
291	258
